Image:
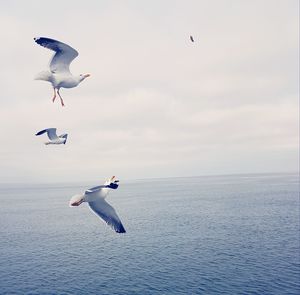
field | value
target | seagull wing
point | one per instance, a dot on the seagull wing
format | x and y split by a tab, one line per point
103	210
64	54
41	132
98	191
51	132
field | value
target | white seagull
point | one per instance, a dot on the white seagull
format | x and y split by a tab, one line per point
59	74
54	139
95	197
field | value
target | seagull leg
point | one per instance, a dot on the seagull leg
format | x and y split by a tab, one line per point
53	99
61	100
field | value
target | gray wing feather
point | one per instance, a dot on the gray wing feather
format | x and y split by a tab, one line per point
51	132
64	54
95	189
102	209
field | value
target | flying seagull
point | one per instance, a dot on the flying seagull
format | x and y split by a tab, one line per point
54	139
95	197
192	39
59	75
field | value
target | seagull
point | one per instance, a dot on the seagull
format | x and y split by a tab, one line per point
54	139
95	197
59	74
192	39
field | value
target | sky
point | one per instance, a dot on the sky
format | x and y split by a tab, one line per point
156	104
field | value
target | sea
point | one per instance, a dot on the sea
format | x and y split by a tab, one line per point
236	234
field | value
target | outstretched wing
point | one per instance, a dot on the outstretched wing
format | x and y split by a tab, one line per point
98	191
64	54
51	132
105	211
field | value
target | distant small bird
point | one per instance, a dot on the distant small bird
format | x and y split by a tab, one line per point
95	197
59	74
54	139
192	39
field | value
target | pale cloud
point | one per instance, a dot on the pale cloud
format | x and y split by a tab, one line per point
156	105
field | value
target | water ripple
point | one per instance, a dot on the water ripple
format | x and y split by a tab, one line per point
205	235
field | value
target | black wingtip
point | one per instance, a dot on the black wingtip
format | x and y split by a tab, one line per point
41	132
113	185
121	230
40	40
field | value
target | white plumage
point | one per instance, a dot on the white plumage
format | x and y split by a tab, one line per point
59	75
95	197
54	139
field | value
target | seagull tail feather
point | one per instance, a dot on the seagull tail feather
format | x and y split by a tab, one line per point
44	76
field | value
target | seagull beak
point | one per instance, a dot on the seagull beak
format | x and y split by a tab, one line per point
86	75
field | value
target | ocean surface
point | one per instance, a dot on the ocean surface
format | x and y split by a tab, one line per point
200	235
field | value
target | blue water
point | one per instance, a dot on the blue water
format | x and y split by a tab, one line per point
200	235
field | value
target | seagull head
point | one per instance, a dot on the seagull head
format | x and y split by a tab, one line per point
65	136
113	183
83	76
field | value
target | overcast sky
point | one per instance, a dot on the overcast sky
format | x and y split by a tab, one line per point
156	104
